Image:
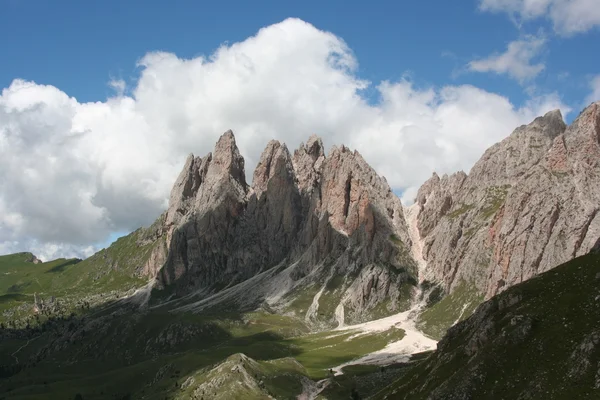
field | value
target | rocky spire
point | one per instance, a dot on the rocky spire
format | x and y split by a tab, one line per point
435	198
275	164
227	159
307	162
186	187
550	125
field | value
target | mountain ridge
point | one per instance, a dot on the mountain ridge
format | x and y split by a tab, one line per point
468	223
312	260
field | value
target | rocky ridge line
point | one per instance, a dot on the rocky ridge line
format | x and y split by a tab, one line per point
328	216
529	204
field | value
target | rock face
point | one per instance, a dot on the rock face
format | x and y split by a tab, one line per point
331	226
529	204
31	258
326	217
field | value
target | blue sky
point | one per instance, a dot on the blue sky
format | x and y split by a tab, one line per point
102	101
77	46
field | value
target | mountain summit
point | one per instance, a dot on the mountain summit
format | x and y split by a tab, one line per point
319	220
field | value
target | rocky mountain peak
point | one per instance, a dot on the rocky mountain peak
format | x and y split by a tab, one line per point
307	162
186	186
435	198
228	160
529	204
275	163
551	124
324	217
314	147
582	138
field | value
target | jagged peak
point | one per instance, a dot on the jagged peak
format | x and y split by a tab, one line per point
551	124
275	160
307	162
314	146
554	114
340	151
588	114
182	186
428	187
228	159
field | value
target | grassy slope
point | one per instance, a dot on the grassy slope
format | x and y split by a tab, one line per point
152	354
109	272
539	339
240	377
457	306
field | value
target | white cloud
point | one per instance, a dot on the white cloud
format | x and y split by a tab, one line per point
516	61
595	86
569	17
72	172
118	85
526	9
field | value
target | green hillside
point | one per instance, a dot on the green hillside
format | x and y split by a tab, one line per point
65	285
537	340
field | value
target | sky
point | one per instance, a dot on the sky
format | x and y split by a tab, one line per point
102	101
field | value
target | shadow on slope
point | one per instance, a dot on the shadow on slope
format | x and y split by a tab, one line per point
118	350
62	266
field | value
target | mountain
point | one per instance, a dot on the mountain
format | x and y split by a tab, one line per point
529	204
317	225
314	280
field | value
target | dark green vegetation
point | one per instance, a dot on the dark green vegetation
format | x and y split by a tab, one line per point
65	285
537	340
364	381
20	278
152	354
460	304
321	351
361	381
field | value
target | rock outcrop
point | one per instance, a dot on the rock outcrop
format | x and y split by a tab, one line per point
529	204
327	217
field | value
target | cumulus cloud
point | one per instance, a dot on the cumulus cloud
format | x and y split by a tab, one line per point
71	173
595	86
569	17
118	85
516	61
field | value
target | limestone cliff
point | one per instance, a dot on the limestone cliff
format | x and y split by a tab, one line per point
529	204
331	218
